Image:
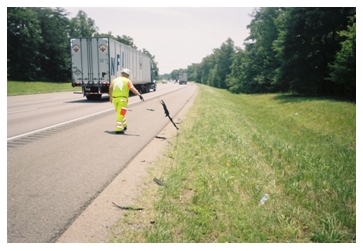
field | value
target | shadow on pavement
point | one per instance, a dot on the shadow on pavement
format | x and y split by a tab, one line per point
124	134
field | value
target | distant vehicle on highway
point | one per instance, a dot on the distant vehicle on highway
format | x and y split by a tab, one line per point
183	78
164	81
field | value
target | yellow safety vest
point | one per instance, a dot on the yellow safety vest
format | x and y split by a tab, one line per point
121	87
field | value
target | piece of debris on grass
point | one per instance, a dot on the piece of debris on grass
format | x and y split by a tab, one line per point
160	183
127	208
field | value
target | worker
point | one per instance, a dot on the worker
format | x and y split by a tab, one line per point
119	94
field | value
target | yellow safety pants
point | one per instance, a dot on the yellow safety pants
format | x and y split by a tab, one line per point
121	104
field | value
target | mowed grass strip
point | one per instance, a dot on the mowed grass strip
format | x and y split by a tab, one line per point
22	88
231	150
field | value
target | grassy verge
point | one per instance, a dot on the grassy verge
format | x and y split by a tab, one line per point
231	150
21	88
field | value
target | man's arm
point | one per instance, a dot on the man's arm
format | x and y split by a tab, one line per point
136	92
110	92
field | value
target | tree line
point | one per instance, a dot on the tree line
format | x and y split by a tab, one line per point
305	51
301	50
38	42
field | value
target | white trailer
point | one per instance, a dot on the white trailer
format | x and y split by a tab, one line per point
96	61
183	78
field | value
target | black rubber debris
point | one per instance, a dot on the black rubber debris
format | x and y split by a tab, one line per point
160	183
127	208
159	137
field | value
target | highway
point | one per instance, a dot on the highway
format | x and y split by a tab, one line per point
62	152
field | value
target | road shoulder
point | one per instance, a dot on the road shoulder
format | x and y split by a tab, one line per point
96	221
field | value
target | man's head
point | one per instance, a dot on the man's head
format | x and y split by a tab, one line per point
125	72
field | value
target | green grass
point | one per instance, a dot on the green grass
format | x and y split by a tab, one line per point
21	88
231	150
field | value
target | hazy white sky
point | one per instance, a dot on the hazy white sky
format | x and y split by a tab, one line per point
182	34
177	37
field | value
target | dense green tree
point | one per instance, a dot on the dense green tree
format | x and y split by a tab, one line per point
245	71
175	74
307	43
126	40
205	69
263	32
38	42
236	80
213	69
82	26
24	40
109	34
223	60
154	63
54	51
304	50
194	73
343	68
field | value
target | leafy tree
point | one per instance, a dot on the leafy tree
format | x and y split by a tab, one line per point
223	60
263	32
205	69
109	34
175	74
126	40
271	62
213	69
54	51
236	80
82	26
305	50
38	42
24	40
154	63
343	68
307	43
165	76
245	70
194	72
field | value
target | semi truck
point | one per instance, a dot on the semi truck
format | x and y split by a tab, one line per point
183	78
96	61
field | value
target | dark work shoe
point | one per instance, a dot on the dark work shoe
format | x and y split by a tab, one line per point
125	128
120	132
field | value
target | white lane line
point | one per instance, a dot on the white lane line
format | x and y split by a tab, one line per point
63	123
73	120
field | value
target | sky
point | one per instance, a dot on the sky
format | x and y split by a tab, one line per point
181	34
177	36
